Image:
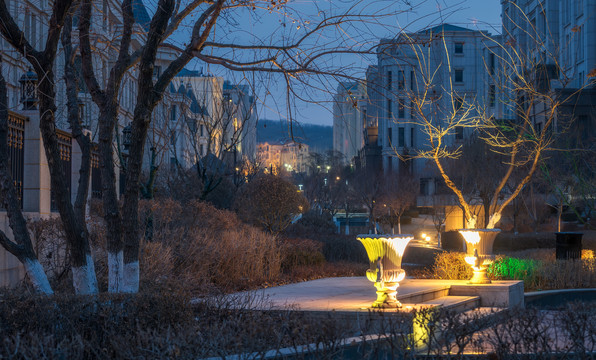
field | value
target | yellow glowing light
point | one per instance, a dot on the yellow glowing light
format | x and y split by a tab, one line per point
471	237
428	238
423	235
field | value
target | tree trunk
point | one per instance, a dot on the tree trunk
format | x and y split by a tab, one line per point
559	214
399	224
76	232
83	277
347	228
21	247
107	122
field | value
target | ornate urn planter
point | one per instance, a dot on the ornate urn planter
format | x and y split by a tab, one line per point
385	253
479	253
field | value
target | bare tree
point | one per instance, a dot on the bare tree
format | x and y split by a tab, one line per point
42	62
271	202
21	247
368	188
399	193
523	83
286	59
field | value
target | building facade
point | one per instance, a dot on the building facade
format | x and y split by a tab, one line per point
288	156
349	119
445	66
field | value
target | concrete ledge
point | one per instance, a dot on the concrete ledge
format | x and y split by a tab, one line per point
502	294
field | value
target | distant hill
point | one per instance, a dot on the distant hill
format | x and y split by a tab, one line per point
319	138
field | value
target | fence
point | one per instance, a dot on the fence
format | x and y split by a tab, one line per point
96	191
65	148
16	146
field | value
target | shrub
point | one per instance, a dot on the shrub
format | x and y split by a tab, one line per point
343	248
513	269
451	266
301	252
198	246
313	225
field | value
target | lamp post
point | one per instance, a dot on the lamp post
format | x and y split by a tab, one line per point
29	90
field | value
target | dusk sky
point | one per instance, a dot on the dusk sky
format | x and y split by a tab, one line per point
384	19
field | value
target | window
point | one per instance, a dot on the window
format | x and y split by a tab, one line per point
156	72
459	47
173	113
459	75
202	151
401	111
202	127
104	15
412	137
401	80
389	136
389	80
579	43
33	37
491	63
78	68
401	134
412	113
173	138
459	133
412	80
389	111
457	103
491	95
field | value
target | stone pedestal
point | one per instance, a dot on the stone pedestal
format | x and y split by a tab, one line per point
385	253
479	252
502	294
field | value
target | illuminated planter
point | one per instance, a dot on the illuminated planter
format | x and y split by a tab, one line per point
385	253
479	253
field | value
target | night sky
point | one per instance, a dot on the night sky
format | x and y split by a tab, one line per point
384	19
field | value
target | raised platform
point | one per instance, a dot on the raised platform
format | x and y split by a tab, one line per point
356	294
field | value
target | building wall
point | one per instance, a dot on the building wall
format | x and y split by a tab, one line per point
349	118
415	65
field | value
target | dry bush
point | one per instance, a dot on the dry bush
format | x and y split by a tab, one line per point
197	246
152	326
450	266
301	252
52	249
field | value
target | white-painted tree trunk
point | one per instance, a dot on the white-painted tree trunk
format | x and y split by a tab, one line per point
347	228
115	271
493	220
37	276
84	279
130	279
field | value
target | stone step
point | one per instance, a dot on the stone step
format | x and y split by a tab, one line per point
422	296
454	303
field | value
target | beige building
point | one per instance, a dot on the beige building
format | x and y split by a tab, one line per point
291	156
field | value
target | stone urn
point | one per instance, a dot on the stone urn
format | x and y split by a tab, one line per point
479	253
385	253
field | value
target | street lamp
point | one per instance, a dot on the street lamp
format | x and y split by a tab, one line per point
28	90
126	137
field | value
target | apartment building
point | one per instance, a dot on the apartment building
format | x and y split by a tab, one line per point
349	118
444	65
281	155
